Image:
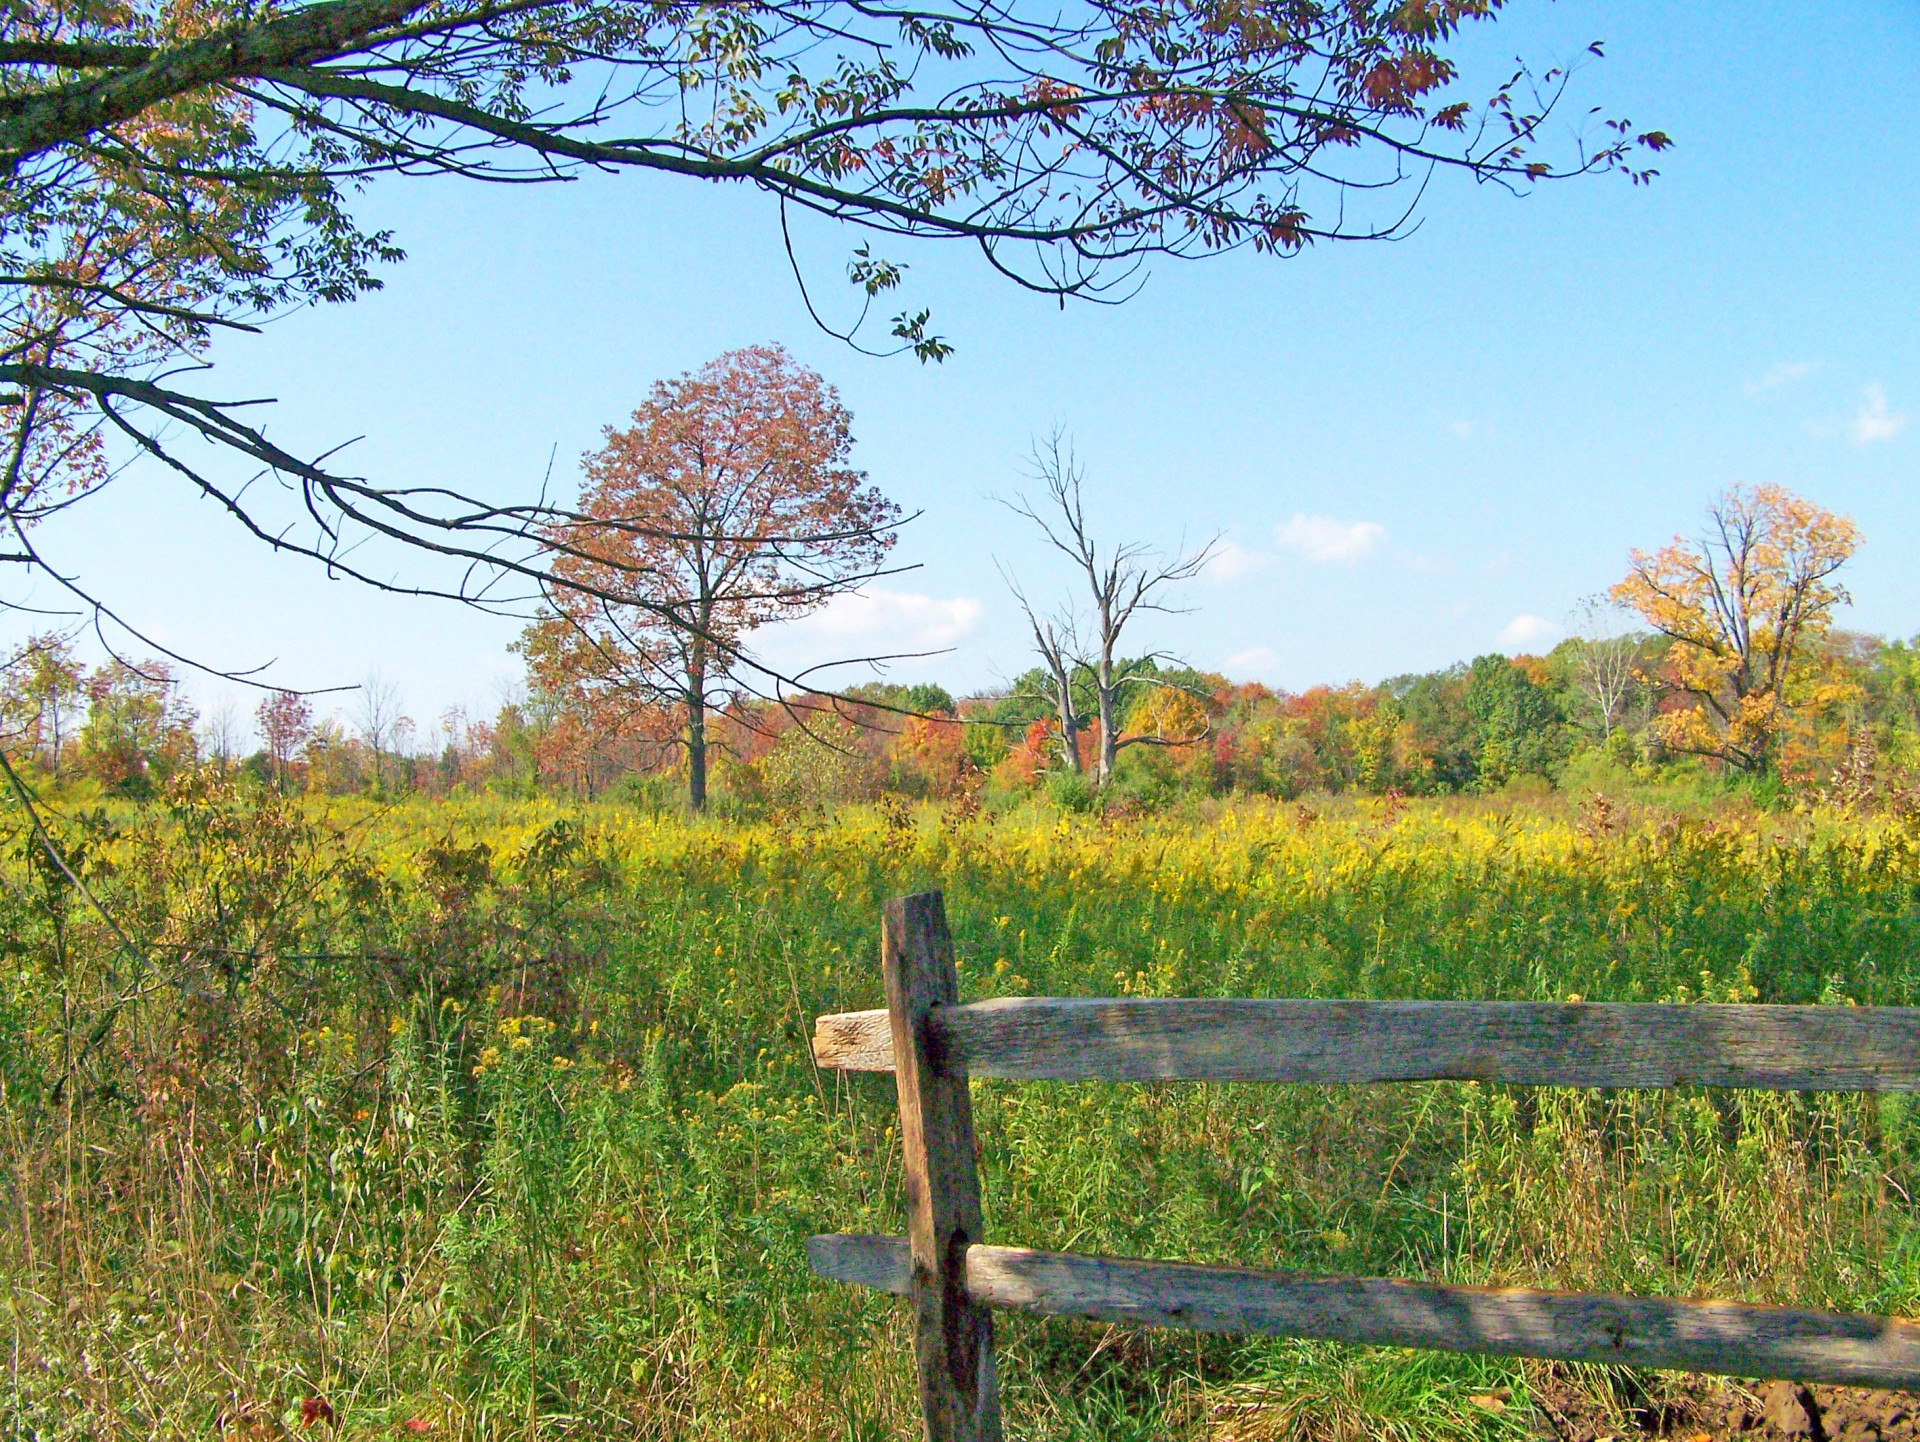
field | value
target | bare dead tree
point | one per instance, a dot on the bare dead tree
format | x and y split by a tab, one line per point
220	732
380	720
1056	640
1122	581
1607	660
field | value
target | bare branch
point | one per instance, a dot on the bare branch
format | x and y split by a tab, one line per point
1122	581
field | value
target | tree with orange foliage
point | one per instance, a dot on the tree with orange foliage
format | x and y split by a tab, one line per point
1745	607
1169	716
285	720
930	756
728	503
1027	761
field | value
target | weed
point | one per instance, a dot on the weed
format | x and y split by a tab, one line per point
490	1118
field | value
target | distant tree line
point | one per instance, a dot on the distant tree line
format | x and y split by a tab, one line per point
729	503
1563	718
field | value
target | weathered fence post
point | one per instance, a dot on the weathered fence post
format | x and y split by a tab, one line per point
952	1337
931	1042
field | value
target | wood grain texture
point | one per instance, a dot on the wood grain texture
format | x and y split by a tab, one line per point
1729	1338
853	1041
882	1263
953	1336
1577	1044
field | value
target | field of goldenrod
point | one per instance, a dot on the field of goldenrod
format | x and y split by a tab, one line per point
470	1119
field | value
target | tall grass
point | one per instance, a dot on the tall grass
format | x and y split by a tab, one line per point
489	1120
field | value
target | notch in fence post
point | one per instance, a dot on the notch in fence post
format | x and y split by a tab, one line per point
952	1338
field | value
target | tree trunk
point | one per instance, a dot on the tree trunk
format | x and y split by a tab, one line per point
1109	743
697	729
1069	723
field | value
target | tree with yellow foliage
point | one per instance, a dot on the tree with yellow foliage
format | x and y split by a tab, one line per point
1167	716
1745	607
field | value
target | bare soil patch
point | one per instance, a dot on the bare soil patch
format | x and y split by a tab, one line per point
1717	1411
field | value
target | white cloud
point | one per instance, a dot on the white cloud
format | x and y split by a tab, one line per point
1230	562
1526	632
905	615
868	623
1467	429
1325	541
1874	421
1777	376
1252	662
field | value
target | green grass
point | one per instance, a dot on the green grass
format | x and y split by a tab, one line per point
499	1118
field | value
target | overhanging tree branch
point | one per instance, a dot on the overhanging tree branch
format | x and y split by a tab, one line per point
163	174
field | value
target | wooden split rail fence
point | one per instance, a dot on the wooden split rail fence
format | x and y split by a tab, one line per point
933	1044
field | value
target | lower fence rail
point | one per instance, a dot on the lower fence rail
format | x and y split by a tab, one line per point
933	1044
1729	1338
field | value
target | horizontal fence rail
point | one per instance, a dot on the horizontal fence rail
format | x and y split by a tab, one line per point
1728	1338
933	1044
1570	1044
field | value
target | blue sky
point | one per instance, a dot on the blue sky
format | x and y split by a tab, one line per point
1416	452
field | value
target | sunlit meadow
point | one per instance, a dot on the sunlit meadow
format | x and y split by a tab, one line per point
497	1118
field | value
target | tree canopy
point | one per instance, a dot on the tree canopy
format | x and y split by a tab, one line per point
728	503
175	169
1745	607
